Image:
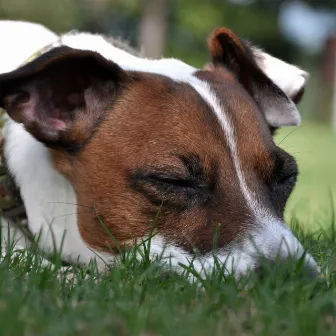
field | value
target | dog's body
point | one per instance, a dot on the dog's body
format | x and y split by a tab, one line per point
148	136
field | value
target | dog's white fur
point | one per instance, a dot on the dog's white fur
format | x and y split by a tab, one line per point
49	198
20	40
289	78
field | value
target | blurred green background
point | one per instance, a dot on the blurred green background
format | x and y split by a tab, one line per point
300	32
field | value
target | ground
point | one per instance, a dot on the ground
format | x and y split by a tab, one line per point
141	298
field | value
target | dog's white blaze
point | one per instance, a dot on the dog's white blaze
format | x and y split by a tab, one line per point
210	98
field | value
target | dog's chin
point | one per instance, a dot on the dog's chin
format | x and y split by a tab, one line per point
278	246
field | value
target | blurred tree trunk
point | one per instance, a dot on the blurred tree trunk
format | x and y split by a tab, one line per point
327	109
333	119
96	13
153	27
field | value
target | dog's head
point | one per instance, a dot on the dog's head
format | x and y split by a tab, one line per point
193	145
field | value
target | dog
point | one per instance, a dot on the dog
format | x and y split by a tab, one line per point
107	147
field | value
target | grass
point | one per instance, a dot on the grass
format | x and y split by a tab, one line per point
143	298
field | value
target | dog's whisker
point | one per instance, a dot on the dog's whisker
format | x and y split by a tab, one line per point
72	214
287	135
81	205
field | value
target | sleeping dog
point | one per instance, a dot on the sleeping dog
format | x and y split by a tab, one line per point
98	139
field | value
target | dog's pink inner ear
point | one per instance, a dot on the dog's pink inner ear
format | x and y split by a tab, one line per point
227	50
49	94
29	107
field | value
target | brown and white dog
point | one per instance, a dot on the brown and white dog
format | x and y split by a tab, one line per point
97	134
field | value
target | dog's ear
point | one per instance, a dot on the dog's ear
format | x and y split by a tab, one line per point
61	96
289	78
226	49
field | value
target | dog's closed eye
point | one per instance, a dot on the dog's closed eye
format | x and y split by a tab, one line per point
180	192
179	187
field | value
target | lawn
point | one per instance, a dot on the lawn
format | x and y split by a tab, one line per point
314	147
142	298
